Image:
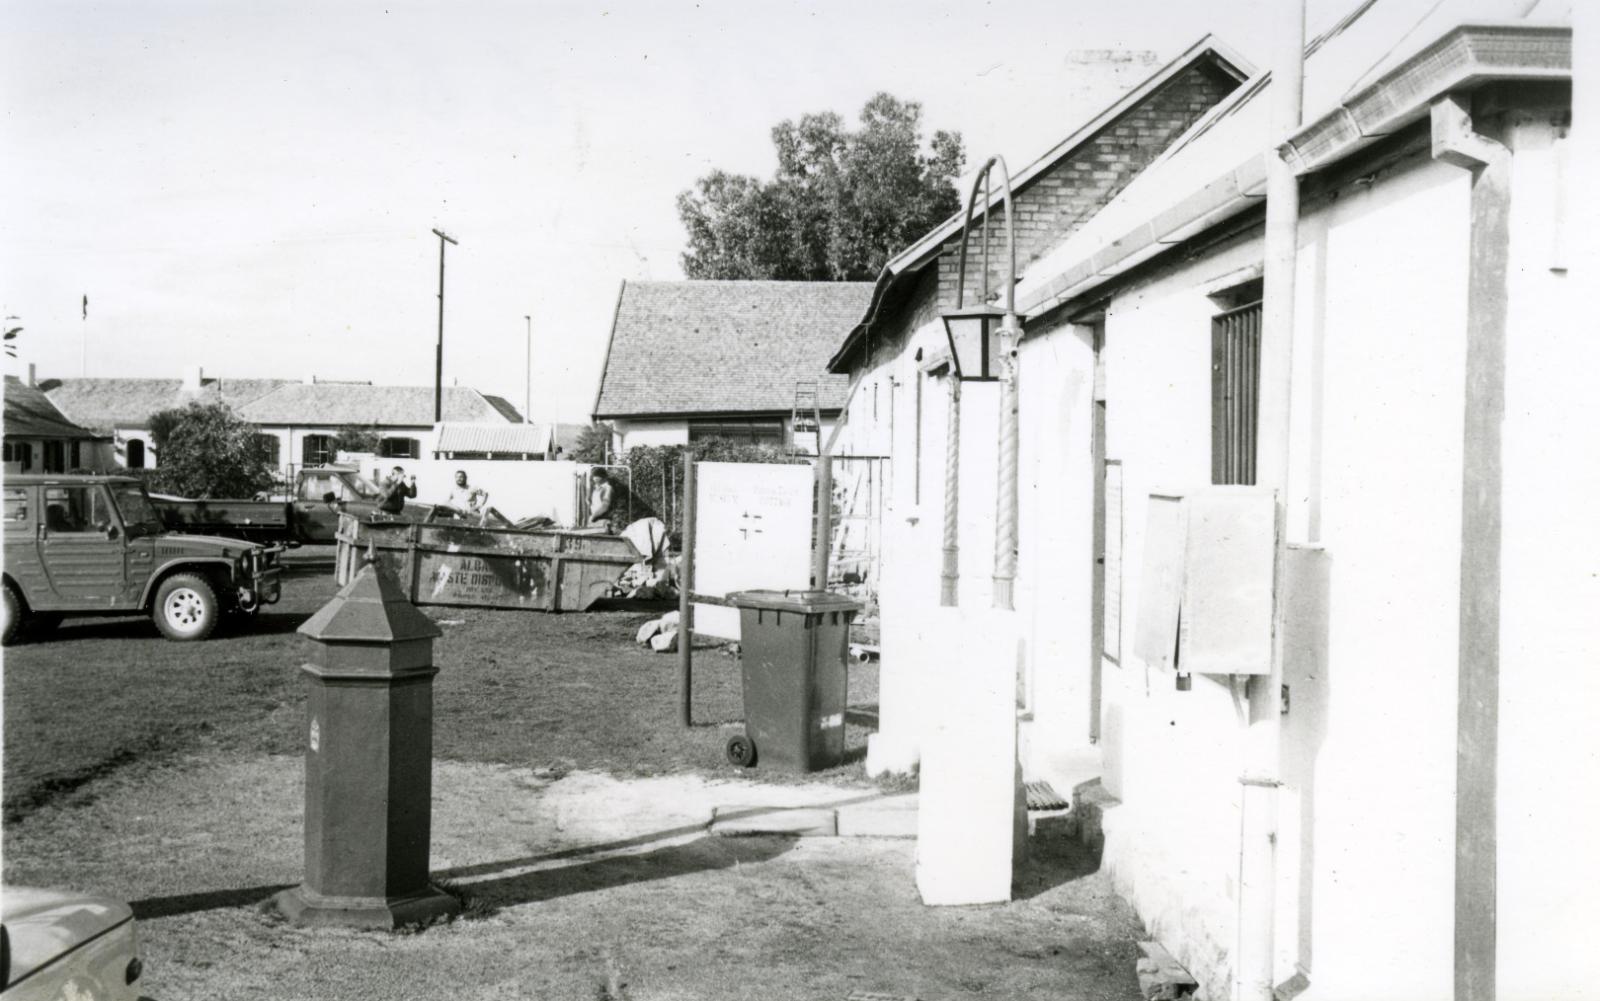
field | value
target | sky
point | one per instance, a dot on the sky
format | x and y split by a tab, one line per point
251	188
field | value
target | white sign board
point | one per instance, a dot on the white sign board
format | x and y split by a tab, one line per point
752	530
1227	585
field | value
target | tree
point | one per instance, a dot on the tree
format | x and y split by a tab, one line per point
840	205
593	443
206	450
354	438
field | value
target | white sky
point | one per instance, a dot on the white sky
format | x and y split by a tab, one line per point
250	187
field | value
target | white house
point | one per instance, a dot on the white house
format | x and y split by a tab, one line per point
1396	809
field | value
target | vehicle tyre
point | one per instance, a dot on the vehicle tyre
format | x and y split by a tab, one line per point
186	607
14	615
741	751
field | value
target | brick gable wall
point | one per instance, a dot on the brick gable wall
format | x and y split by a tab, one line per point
1058	201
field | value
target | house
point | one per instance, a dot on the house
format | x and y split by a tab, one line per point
896	351
40	439
689	360
122	407
303	419
297	420
1400	805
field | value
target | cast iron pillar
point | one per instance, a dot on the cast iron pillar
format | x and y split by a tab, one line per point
369	762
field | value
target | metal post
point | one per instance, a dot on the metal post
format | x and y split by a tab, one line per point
824	520
1005	521
685	606
527	380
438	352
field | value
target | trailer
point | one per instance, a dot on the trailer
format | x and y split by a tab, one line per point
550	570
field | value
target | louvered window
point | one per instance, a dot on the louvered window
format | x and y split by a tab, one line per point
1235	394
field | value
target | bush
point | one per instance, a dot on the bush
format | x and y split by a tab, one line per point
593	444
206	450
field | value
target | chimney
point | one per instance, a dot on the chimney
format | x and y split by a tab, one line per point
193	378
33	374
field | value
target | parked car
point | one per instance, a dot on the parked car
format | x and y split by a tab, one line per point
309	515
95	545
57	945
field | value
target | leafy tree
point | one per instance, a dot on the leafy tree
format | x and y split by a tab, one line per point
206	450
593	443
353	438
840	205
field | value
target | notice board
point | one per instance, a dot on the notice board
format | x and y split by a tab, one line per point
752	530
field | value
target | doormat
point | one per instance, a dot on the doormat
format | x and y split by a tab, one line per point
1042	797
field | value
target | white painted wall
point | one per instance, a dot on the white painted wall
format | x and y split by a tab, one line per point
517	489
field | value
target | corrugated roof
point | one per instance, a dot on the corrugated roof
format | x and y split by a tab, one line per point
30	414
725	346
342	404
502	439
108	403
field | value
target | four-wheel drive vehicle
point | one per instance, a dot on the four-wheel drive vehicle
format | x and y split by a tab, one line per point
56	944
321	495
94	545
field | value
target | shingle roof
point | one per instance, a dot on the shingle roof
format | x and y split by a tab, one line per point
30	414
725	346
507	409
108	403
341	404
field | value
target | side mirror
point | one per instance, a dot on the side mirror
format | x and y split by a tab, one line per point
328	498
112	531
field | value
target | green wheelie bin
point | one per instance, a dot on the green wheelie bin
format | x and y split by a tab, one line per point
794	654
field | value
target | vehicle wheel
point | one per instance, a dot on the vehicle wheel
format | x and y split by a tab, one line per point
186	607
741	751
13	616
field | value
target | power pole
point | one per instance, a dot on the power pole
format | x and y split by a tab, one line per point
527	378
438	354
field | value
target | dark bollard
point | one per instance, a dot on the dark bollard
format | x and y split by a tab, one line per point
369	762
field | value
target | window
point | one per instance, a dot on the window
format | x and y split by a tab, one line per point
316	449
77	455
76	509
1235	394
8	451
55	457
769	431
315	487
135	453
22	455
399	448
16	503
269	446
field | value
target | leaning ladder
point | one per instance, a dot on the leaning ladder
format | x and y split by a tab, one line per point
805	416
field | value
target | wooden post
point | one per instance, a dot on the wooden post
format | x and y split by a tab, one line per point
824	521
685	606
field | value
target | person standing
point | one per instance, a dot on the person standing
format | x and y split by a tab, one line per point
396	488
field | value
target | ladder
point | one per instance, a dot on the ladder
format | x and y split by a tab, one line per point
805	416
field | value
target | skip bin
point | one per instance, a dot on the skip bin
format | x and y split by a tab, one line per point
795	646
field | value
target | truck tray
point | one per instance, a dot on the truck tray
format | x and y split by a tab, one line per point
549	570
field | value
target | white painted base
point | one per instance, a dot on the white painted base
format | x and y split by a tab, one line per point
890	754
970	809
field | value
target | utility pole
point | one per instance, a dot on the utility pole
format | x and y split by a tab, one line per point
527	378
438	354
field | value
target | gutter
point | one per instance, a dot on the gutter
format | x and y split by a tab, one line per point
1464	57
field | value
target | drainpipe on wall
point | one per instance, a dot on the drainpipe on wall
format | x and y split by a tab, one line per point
1254	954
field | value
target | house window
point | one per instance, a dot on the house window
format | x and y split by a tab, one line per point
400	448
55	457
77	455
316	449
135	453
1235	394
754	431
8	451
270	448
22	455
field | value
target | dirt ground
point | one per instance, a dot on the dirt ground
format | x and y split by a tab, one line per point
569	815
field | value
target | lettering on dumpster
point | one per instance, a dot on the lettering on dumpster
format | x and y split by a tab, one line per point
505	582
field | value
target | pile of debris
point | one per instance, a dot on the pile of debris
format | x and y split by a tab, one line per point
661	635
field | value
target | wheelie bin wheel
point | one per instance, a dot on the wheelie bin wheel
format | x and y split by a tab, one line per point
741	751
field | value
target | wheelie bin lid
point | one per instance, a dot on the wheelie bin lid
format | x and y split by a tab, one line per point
807	602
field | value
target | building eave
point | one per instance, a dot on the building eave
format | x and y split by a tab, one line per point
1463	57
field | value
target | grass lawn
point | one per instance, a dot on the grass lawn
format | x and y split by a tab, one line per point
560	692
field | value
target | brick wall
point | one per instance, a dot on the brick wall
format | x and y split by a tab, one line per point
1058	201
